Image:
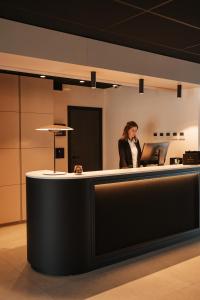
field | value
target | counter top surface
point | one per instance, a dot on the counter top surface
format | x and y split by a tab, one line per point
42	174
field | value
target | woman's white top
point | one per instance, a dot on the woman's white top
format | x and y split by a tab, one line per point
134	152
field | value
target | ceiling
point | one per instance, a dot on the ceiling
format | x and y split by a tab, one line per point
169	27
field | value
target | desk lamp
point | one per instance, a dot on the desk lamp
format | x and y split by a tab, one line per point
54	129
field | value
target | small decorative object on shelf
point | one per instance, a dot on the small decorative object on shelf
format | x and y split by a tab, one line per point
176	160
78	169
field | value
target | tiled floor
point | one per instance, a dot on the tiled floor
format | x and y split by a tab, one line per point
173	273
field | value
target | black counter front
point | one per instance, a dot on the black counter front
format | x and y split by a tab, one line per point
79	223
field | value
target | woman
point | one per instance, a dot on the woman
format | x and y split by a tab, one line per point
129	147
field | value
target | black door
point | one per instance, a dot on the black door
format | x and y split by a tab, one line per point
85	141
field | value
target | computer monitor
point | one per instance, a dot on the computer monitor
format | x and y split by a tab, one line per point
154	153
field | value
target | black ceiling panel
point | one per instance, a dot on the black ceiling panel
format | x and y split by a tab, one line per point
54	24
158	30
98	14
167	27
195	49
183	10
145	4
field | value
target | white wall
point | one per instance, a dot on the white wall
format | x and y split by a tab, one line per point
157	110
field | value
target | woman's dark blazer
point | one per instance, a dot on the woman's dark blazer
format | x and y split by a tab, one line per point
125	154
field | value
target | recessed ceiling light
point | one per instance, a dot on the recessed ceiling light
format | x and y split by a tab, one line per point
82	81
115	86
42	76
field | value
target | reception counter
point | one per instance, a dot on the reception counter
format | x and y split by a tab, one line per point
76	223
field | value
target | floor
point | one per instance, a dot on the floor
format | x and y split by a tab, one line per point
172	273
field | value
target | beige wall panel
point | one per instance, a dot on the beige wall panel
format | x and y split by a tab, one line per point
9	93
9	166
23	202
9	130
9	204
36	95
30	136
36	159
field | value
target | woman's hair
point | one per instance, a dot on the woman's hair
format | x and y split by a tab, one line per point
128	126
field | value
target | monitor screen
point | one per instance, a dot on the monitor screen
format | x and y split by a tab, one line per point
154	153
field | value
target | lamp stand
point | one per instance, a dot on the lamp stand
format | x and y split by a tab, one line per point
53	129
54	157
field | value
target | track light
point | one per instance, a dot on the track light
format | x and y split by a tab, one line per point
179	91
93	80
141	86
57	85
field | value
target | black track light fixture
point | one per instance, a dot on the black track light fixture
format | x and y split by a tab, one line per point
93	80
179	91
57	85
141	86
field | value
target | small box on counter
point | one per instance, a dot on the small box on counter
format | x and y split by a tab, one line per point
191	158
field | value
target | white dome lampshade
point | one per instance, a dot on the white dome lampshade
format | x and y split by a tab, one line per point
54	128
